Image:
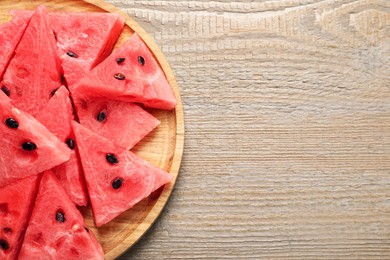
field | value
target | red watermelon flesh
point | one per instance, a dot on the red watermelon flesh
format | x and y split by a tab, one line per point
130	74
11	32
56	229
57	117
28	148
70	175
116	179
35	70
123	123
16	202
89	36
4	97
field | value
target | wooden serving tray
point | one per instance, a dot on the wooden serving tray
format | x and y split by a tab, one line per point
163	147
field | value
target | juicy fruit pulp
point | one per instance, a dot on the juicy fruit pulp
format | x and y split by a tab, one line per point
108	118
35	70
130	74
18	159
11	32
56	229
91	39
58	114
16	202
72	180
57	117
114	185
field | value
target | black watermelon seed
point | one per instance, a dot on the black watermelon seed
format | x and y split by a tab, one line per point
63	80
5	90
101	116
117	183
72	54
120	60
55	35
7	230
120	76
141	60
53	92
70	143
86	229
29	146
4	244
60	216
11	123
111	158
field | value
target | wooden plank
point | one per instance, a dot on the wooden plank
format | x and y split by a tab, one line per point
287	107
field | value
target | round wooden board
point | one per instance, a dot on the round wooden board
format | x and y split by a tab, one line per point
163	147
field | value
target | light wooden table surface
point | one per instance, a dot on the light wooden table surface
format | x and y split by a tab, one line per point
287	114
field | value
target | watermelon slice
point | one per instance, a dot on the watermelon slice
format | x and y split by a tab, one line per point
28	148
116	178
83	39
57	117
123	123
130	74
16	202
35	71
56	229
11	32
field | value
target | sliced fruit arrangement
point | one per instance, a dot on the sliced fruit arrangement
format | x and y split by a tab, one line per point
69	115
89	41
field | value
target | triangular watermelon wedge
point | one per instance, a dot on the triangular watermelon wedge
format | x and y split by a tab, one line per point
28	148
83	39
123	123
57	117
11	32
56	229
16	202
130	74
116	178
35	71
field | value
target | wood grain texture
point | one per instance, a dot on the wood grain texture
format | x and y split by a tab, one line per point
163	147
287	107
